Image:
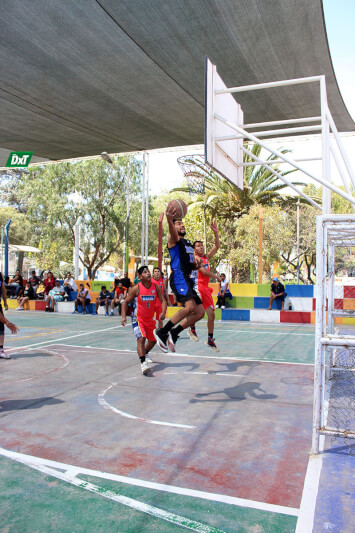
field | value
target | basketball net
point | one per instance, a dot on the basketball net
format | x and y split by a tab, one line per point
195	171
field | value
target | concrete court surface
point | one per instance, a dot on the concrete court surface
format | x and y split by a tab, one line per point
206	441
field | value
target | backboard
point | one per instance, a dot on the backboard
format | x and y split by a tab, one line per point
224	156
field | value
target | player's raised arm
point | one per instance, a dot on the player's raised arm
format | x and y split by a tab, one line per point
132	294
216	245
170	213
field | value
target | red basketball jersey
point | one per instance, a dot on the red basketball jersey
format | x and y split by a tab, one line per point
146	301
202	280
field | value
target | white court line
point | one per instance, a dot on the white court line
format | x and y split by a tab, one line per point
231	500
55	341
70	477
106	405
218	358
267	332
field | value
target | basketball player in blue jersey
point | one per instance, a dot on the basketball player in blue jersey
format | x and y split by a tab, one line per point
183	262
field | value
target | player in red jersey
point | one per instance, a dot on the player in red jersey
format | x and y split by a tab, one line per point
158	279
202	288
145	294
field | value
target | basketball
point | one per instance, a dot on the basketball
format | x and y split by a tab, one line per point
179	206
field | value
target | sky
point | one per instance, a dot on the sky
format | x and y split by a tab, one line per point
340	24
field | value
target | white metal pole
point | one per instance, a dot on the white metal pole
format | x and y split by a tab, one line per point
318	363
146	210
295	81
326	203
143	208
76	247
331	281
298	241
340	146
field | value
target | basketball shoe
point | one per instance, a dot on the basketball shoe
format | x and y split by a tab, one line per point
192	334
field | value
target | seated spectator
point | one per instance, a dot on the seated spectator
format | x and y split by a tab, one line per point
34	280
28	294
126	282
118	298
40	291
103	299
223	292
69	284
49	283
83	298
277	291
115	282
16	284
55	295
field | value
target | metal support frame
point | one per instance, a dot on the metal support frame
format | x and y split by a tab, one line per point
329	227
332	231
145	209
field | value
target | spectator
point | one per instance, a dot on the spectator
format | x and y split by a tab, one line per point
223	292
83	298
40	291
277	291
115	282
49	283
28	294
4	321
119	296
103	299
35	281
16	284
69	284
126	282
55	295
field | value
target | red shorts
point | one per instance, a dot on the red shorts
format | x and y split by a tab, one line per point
158	309
206	297
144	328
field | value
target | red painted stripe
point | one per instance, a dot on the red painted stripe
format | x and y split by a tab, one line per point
299	317
349	292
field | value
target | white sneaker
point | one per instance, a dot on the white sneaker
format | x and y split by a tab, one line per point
21	308
148	359
223	307
192	335
145	368
4	355
217	307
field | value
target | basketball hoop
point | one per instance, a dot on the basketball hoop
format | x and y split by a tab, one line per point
195	171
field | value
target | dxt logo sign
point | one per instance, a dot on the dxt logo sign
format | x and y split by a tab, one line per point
19	159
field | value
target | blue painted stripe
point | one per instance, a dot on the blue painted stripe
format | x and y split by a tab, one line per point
236	314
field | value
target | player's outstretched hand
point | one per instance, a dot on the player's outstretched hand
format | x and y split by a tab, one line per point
124	321
12	327
218	278
170	213
162	316
214	227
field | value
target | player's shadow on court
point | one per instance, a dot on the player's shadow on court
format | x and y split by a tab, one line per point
28	355
237	393
169	366
233	367
30	403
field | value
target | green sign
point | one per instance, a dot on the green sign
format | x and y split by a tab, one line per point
19	159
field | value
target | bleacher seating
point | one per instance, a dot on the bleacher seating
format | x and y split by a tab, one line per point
249	303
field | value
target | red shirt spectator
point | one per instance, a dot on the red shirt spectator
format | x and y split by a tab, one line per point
49	283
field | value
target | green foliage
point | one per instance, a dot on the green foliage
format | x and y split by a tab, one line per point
57	195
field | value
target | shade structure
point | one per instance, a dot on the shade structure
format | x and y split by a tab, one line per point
81	77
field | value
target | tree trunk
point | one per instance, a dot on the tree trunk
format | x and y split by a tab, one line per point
20	261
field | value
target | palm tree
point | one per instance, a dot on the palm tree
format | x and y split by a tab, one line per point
224	200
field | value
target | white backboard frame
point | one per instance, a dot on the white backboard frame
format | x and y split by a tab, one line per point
225	157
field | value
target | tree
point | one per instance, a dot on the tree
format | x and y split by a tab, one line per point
57	195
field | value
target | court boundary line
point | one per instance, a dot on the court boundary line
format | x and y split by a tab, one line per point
51	343
221	498
228	358
70	476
